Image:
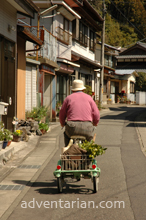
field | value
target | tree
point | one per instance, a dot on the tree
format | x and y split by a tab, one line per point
141	82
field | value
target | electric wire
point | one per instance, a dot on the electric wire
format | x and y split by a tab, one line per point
127	19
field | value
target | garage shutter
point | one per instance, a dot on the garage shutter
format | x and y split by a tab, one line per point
30	96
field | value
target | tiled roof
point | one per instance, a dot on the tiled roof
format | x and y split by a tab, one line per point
142	44
131	56
126	72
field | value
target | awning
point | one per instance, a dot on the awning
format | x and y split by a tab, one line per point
76	56
25	7
67	62
126	72
67	11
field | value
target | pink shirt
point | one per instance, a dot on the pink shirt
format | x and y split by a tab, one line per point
79	107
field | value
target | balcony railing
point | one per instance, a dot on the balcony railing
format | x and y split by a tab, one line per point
63	36
49	48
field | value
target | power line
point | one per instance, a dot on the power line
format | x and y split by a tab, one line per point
127	19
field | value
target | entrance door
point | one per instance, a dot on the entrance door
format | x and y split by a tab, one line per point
116	90
61	88
9	91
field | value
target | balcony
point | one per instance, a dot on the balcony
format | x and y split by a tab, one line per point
29	33
49	48
63	36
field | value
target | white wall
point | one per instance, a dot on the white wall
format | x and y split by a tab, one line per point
140	98
8	16
63	51
132	78
84	51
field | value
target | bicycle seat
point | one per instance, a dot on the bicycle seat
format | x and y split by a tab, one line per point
78	137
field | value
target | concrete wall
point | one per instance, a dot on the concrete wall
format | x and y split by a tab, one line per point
84	51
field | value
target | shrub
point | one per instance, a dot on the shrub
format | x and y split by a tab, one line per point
43	126
37	113
7	135
88	90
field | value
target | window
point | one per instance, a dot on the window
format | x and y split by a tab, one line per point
66	25
92	40
105	86
113	87
83	34
106	60
66	29
132	87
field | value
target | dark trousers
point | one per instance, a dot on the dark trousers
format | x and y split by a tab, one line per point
83	128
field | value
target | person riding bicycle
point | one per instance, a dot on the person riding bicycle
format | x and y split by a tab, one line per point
81	113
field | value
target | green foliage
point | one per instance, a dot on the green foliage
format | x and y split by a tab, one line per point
117	34
37	113
92	149
58	107
1	125
125	22
7	135
43	126
141	82
1	135
88	90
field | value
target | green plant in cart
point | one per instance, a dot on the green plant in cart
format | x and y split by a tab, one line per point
92	149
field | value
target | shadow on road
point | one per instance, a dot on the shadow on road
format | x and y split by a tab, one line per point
50	187
127	113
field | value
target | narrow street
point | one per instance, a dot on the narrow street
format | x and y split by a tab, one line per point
122	184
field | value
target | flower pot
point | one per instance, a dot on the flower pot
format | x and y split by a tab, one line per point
16	138
43	131
9	142
4	144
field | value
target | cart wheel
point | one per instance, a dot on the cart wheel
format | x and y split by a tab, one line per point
59	184
95	184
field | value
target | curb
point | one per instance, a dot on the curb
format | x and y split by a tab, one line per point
5	155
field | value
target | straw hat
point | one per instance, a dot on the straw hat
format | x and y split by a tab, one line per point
78	85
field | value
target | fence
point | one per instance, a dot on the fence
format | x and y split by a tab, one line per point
140	98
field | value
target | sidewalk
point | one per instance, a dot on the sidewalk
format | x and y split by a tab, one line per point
15	147
34	156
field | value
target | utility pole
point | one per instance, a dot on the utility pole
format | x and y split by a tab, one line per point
102	57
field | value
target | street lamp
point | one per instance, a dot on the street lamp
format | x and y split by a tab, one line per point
38	25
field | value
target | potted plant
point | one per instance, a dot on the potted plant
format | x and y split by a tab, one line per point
128	101
1	138
17	135
118	99
7	137
43	127
58	108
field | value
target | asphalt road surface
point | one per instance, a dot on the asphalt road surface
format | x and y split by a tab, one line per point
122	184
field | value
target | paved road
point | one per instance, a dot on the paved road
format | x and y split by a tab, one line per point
122	185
